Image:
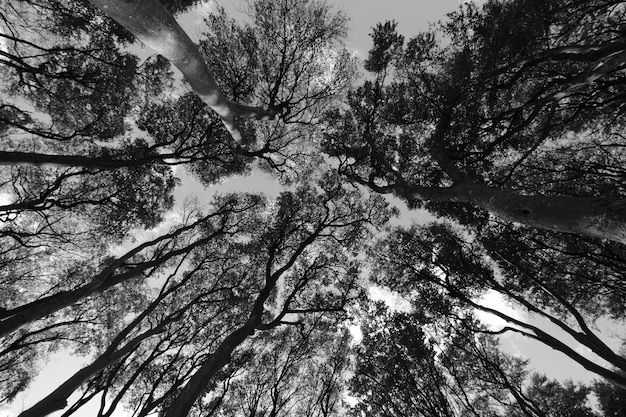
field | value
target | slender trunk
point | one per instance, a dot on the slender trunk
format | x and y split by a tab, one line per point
54	161
193	389
17	317
149	21
536	333
57	400
589	216
181	405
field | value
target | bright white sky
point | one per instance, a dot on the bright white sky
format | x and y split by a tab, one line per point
412	16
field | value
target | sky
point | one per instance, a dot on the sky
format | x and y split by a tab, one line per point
412	16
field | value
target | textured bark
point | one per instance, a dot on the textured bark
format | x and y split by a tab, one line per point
60	161
589	216
149	21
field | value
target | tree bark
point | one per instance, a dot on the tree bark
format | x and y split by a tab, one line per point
57	400
149	21
589	216
14	158
533	332
17	317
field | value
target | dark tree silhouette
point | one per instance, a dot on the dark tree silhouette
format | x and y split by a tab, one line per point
505	121
515	114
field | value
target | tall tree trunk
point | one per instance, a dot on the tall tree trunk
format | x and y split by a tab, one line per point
55	161
181	405
13	319
57	400
190	393
149	21
589	216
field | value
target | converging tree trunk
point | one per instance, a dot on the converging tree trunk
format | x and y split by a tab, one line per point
150	21
190	393
597	217
14	318
57	400
34	159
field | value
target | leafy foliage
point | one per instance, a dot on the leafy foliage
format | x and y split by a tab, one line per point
505	121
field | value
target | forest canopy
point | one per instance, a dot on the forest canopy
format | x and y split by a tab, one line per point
504	123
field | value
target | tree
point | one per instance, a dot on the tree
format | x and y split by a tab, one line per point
336	220
423	363
155	26
396	372
304	242
566	399
69	86
418	364
611	399
79	299
505	119
81	180
475	124
423	261
287	376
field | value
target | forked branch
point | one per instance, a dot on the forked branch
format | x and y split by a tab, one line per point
151	23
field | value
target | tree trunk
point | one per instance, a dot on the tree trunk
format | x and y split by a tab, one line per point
17	317
181	405
533	332
13	319
197	384
149	21
57	400
61	161
589	216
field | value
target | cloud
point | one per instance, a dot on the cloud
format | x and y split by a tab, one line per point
496	301
392	300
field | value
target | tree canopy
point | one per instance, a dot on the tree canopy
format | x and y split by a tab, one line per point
504	122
